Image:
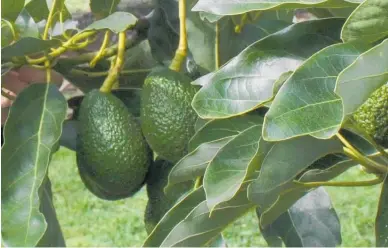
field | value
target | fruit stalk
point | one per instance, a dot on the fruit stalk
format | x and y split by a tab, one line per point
114	72
343	184
100	53
181	52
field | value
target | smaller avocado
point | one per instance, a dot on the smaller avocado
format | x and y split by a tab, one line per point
167	117
158	202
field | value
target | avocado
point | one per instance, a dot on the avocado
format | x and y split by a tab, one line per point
158	201
167	118
112	154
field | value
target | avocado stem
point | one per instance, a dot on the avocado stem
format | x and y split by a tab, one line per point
114	72
181	52
100	53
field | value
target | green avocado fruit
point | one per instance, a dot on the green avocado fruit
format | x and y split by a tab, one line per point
112	155
167	117
158	201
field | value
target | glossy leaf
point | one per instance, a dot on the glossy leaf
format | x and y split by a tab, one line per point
217	129
234	7
10	9
195	163
310	222
103	8
368	72
233	164
7	37
382	217
369	22
116	22
247	81
175	215
27	46
31	133
198	228
283	161
53	236
306	104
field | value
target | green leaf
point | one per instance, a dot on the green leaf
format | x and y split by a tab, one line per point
103	8
195	163
53	236
69	135
40	9
116	22
283	161
233	164
234	7
306	104
247	81
7	37
31	133
10	9
310	222
368	22
175	215
25	25
27	46
368	72
382	217
217	129
198	228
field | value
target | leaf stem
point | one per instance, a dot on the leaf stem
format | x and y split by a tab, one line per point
342	184
198	182
48	71
100	53
50	18
114	72
181	52
104	73
60	50
352	152
217	46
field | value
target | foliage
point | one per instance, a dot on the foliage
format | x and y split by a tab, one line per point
274	110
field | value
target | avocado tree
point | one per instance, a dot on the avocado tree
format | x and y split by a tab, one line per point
218	107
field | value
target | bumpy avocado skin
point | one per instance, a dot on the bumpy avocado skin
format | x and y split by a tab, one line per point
372	116
167	118
112	155
159	202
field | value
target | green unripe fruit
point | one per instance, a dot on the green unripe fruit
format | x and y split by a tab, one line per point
112	154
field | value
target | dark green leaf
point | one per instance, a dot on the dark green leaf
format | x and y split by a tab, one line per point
310	222
283	161
382	217
233	164
175	215
195	163
198	228
69	134
116	22
247	81
10	9
369	22
103	8
217	129
32	131
53	236
27	46
307	103
234	7
368	72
